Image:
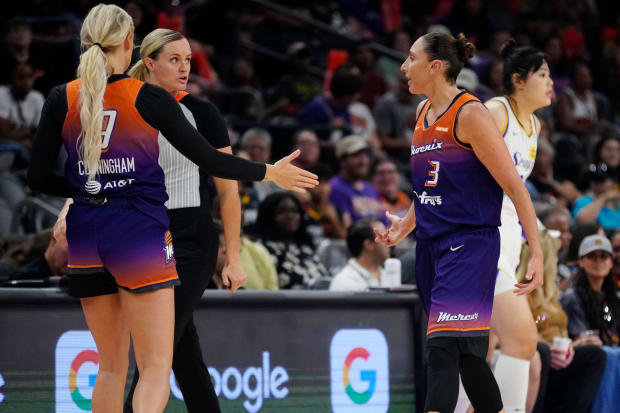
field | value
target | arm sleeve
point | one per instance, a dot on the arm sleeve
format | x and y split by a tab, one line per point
163	113
47	143
209	121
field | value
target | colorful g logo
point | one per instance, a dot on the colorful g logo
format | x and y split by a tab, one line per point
369	376
83	357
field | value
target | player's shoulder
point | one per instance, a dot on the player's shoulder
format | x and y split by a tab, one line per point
499	112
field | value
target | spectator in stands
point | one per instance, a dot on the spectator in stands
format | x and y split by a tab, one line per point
578	107
544	187
331	109
37	257
607	151
491	80
256	142
558	218
324	218
615	243
353	196
281	228
593	303
20	107
389	68
385	177
557	63
363	270
296	88
246	99
308	143
602	201
143	16
395	116
559	380
362	57
16	48
255	261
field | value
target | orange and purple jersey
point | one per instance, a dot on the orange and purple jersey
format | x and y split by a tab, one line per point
452	188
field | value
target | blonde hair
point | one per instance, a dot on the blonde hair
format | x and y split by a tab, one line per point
151	46
105	27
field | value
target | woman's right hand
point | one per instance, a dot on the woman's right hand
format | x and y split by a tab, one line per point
288	176
60	231
395	233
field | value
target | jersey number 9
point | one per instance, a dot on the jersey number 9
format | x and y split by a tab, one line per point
109	120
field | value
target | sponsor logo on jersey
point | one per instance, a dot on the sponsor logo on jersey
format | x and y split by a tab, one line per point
168	249
456	317
426	199
434	146
118	184
110	166
92	187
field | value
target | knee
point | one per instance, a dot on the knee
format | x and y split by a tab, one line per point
523	342
114	363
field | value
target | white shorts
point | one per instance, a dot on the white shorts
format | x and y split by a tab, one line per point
511	242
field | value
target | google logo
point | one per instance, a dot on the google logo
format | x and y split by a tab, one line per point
83	357
359	370
369	376
77	362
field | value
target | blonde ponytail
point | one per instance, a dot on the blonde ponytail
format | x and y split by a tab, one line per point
104	28
151	46
139	71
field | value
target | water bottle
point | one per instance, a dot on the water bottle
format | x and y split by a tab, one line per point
391	273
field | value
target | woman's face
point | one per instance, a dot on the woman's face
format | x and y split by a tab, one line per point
610	153
416	68
538	87
287	216
170	69
597	264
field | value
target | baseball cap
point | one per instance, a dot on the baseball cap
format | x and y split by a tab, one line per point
350	145
594	243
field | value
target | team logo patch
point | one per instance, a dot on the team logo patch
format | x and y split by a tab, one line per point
168	250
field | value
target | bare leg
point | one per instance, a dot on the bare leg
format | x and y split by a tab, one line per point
105	321
534	384
150	317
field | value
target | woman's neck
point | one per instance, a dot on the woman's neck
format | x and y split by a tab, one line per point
522	109
441	96
155	82
596	283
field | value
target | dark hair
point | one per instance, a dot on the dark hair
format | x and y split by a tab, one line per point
579	233
345	84
359	232
593	304
267	229
519	60
324	172
442	46
599	146
379	161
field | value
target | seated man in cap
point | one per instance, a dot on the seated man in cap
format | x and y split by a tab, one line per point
353	196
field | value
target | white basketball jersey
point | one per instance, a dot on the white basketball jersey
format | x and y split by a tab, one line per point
522	148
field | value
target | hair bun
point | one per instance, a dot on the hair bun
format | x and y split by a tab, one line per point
508	48
466	49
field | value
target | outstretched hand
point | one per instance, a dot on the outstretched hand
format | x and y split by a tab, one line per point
395	233
288	176
534	275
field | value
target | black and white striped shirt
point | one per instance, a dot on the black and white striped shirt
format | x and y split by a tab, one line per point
183	177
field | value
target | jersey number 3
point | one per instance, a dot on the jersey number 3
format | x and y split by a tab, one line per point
433	174
109	120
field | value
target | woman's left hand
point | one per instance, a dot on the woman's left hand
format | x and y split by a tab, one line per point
233	275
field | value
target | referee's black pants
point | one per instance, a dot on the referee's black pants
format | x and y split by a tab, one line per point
195	244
